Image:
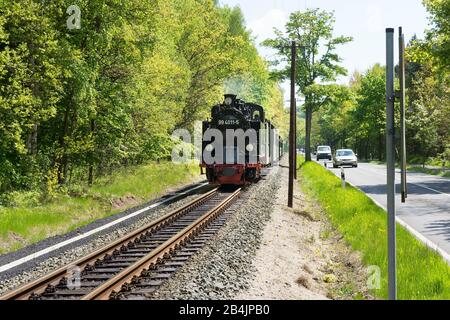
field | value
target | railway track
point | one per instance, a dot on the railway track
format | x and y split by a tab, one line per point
136	265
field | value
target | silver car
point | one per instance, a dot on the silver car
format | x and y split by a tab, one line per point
345	157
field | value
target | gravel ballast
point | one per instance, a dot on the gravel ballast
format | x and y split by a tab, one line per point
224	266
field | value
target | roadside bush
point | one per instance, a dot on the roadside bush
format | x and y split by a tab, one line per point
25	199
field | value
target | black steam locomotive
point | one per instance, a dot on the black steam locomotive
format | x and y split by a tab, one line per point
238	142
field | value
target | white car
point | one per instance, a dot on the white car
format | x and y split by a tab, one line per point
345	157
323	152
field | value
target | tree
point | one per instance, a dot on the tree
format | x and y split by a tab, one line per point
428	80
214	50
30	86
427	115
337	102
369	116
438	38
76	104
316	61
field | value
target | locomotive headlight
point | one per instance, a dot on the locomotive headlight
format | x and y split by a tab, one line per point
209	148
228	101
249	147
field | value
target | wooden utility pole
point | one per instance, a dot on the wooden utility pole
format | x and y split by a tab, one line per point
402	76
292	134
295	136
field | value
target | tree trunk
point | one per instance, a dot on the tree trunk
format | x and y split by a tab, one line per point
32	141
32	137
366	148
62	170
91	175
91	165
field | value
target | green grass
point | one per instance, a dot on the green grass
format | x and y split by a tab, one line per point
26	224
417	168
435	172
422	273
377	162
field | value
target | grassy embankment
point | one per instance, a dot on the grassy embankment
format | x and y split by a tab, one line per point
422	273
29	222
416	167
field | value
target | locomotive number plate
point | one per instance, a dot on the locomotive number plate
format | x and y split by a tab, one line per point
229	122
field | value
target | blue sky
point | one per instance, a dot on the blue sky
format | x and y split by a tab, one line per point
364	20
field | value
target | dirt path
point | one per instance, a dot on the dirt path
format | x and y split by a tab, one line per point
301	257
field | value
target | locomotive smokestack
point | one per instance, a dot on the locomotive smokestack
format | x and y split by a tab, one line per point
229	99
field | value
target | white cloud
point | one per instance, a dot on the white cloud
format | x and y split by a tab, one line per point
262	28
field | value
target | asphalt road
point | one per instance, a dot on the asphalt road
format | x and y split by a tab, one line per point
427	209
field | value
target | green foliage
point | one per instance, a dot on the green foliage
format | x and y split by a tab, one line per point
312	30
333	118
439	36
428	82
78	104
26	199
353	116
436	172
275	109
422	273
358	119
427	116
317	60
30	86
369	115
213	53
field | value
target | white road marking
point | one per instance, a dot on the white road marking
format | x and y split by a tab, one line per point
425	187
89	233
413	183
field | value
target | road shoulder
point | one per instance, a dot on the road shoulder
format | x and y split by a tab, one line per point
301	257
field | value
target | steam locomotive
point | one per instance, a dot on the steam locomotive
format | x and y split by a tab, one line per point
238	142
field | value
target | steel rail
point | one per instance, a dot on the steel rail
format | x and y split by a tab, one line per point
38	286
114	284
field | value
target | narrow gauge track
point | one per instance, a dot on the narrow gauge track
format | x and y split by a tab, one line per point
139	261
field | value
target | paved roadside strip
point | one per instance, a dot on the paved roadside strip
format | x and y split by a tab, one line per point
426	214
115	220
299	257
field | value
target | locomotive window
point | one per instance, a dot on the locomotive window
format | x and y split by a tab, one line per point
256	115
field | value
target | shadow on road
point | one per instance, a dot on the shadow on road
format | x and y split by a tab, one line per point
440	227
